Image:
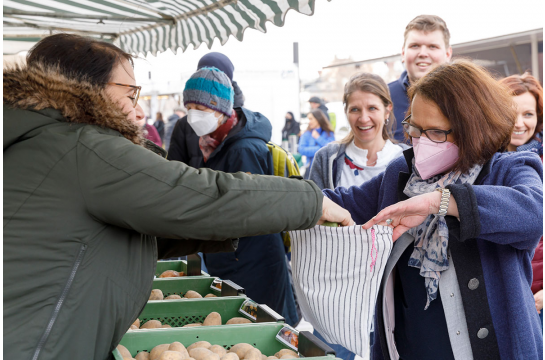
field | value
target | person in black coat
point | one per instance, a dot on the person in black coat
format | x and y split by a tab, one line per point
291	127
239	143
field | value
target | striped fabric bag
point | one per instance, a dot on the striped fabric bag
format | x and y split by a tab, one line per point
336	275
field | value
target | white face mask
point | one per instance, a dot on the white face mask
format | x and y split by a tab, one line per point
202	122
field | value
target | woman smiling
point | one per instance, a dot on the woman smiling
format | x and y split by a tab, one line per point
368	149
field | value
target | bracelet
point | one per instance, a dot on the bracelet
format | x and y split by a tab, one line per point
445	199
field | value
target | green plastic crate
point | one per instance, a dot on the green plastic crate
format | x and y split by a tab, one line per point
178	313
200	284
177	265
262	336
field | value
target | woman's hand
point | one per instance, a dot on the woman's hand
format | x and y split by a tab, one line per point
334	213
315	134
409	213
538	298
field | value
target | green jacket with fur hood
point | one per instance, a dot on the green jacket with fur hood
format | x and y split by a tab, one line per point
83	204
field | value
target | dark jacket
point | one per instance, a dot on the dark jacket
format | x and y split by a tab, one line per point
501	222
83	203
184	145
258	264
325	110
291	127
160	127
398	93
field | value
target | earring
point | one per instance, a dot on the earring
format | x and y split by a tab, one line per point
386	122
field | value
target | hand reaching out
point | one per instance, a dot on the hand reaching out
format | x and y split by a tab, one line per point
334	213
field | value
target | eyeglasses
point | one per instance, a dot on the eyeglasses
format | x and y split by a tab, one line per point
136	94
435	135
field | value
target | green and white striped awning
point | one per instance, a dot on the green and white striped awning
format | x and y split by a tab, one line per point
141	26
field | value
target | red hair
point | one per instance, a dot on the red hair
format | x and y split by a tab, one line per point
521	84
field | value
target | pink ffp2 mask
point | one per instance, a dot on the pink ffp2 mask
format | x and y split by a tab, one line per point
433	158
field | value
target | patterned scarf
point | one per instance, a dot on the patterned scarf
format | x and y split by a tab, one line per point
431	237
209	143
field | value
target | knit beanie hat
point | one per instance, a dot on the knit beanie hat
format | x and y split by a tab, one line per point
212	88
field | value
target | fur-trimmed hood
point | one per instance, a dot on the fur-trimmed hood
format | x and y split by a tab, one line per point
38	88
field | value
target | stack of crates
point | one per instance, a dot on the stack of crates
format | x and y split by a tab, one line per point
177	313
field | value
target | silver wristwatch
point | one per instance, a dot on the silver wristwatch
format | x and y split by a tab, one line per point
445	199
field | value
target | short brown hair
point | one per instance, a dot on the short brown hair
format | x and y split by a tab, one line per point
520	84
375	85
479	109
428	23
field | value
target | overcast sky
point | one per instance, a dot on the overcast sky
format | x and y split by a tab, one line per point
361	29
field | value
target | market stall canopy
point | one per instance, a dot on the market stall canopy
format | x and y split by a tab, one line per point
139	26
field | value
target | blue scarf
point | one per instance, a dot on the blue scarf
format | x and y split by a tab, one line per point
431	237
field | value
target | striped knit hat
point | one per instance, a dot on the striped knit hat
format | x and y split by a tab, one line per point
212	88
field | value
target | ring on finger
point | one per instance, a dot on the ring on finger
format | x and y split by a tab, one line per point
389	222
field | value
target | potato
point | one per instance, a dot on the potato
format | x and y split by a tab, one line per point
199	344
210	295
213	318
134	327
171	355
286	351
252	354
136	323
156	294
230	356
124	351
192	295
238	320
211	357
166	326
193	325
179	347
263	357
173	297
199	353
241	349
151	324
157	351
272	358
142	355
170	273
218	349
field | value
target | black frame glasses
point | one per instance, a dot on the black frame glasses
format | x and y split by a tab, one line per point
136	88
434	135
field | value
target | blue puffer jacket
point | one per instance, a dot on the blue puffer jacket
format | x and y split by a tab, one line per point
259	264
308	146
502	216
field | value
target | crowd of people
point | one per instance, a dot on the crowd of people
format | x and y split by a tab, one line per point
447	155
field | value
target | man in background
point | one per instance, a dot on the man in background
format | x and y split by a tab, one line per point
426	44
317	103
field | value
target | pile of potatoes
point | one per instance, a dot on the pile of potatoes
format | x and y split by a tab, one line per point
157	294
171	273
213	318
203	350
